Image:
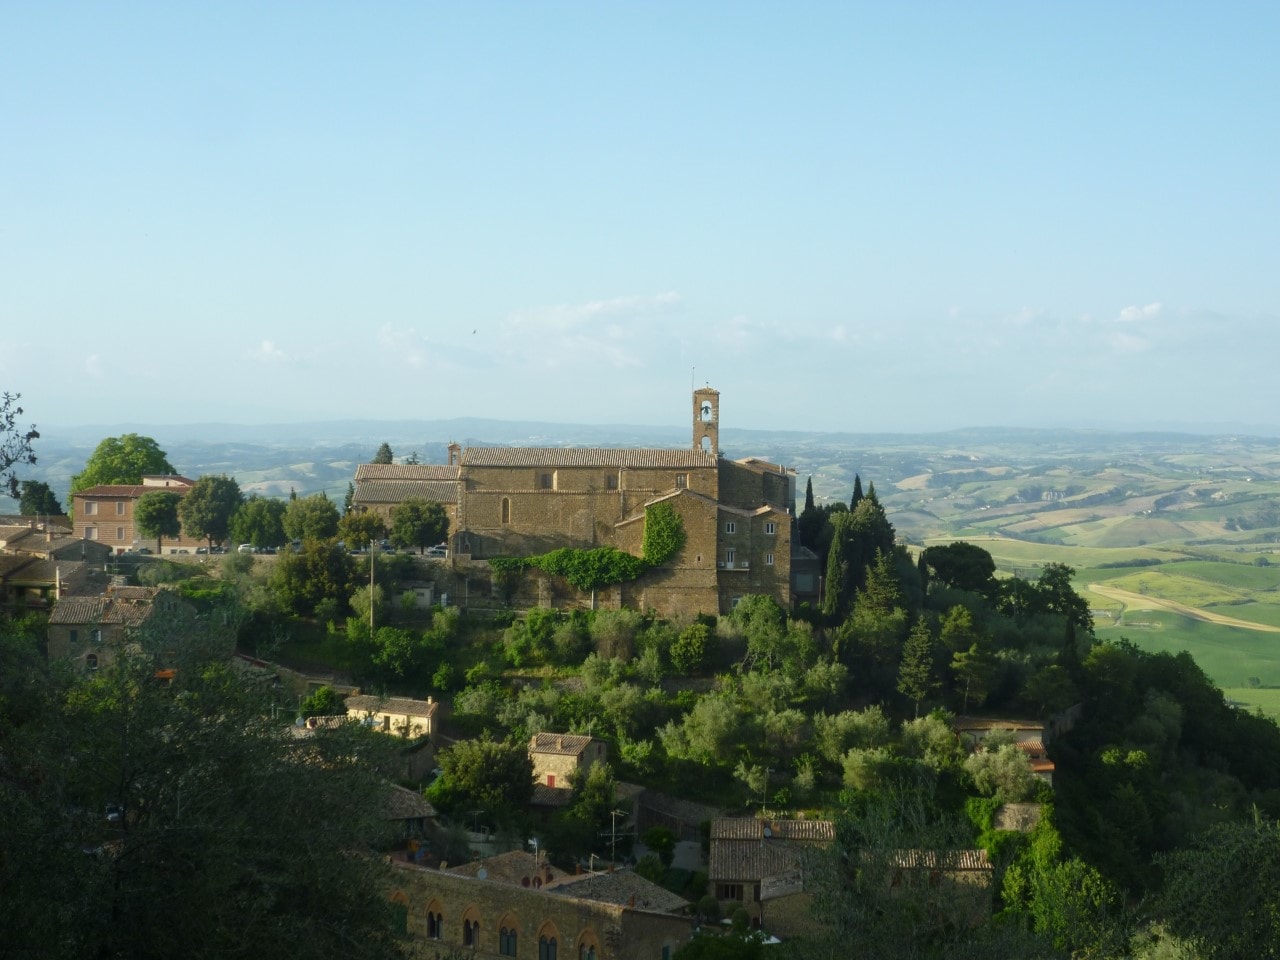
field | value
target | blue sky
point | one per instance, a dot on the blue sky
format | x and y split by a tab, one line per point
861	216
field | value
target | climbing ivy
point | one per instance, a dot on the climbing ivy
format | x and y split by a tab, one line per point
604	566
663	534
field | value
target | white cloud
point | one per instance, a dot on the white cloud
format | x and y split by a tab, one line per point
268	352
405	345
564	316
1124	342
1138	314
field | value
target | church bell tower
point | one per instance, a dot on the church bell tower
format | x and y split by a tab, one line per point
706	420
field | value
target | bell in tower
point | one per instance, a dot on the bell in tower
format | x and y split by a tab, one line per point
706	420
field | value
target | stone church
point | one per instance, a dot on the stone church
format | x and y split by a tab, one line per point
521	501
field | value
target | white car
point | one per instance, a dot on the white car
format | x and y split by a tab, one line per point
439	550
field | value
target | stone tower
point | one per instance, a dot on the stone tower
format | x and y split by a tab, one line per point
706	420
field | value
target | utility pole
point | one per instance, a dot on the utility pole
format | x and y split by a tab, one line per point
373	548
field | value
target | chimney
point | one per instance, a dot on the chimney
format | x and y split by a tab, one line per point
559	743
429	700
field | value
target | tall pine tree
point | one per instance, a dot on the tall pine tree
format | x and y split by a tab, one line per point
857	492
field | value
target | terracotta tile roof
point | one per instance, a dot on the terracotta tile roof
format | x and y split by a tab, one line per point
564	744
752	860
403	804
395	705
405	471
940	859
764	466
11	564
116	491
134	593
623	888
397	491
627	457
516	867
750	828
74	611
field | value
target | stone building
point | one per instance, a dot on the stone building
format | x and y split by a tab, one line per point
557	756
105	514
523	501
755	863
491	916
91	632
401	716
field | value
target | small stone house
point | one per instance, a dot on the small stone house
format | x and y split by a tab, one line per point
402	716
757	862
92	632
556	756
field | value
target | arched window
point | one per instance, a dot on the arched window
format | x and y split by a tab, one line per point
471	927
435	921
546	948
91	662
507	941
588	946
400	912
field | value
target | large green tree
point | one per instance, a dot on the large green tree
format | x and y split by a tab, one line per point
359	529
207	508
384	454
156	515
124	459
38	499
418	523
149	821
493	776
311	518
321	570
259	521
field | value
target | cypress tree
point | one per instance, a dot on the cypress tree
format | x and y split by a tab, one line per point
808	495
857	492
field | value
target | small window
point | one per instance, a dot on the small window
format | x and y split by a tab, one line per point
119	508
551	779
768	559
96	636
770	528
733	603
119	533
91	508
506	509
730	527
682	481
75	636
91	533
435	926
611	481
728	557
507	941
91	662
547	948
546	481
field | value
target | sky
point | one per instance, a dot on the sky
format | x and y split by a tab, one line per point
870	217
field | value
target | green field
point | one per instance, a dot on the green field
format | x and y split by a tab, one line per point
1230	655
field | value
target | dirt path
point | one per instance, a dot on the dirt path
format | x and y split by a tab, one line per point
1137	601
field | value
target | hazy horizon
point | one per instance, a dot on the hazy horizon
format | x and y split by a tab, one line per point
844	216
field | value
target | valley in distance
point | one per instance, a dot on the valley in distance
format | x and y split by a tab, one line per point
1173	536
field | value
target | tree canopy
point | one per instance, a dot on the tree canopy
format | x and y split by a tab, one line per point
156	515
124	459
15	442
311	518
259	521
384	454
418	523
37	498
207	508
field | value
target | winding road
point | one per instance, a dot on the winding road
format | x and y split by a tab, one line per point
1137	601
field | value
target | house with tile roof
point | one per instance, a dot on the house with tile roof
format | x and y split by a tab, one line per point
104	514
755	862
92	631
402	716
49	542
512	906
524	501
556	757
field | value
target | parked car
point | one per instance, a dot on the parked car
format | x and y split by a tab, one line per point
439	550
245	548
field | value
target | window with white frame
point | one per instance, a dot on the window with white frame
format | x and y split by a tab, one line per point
119	508
770	528
91	533
682	481
768	559
91	508
728	557
730	527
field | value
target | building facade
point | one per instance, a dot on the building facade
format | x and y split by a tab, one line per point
105	514
523	501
